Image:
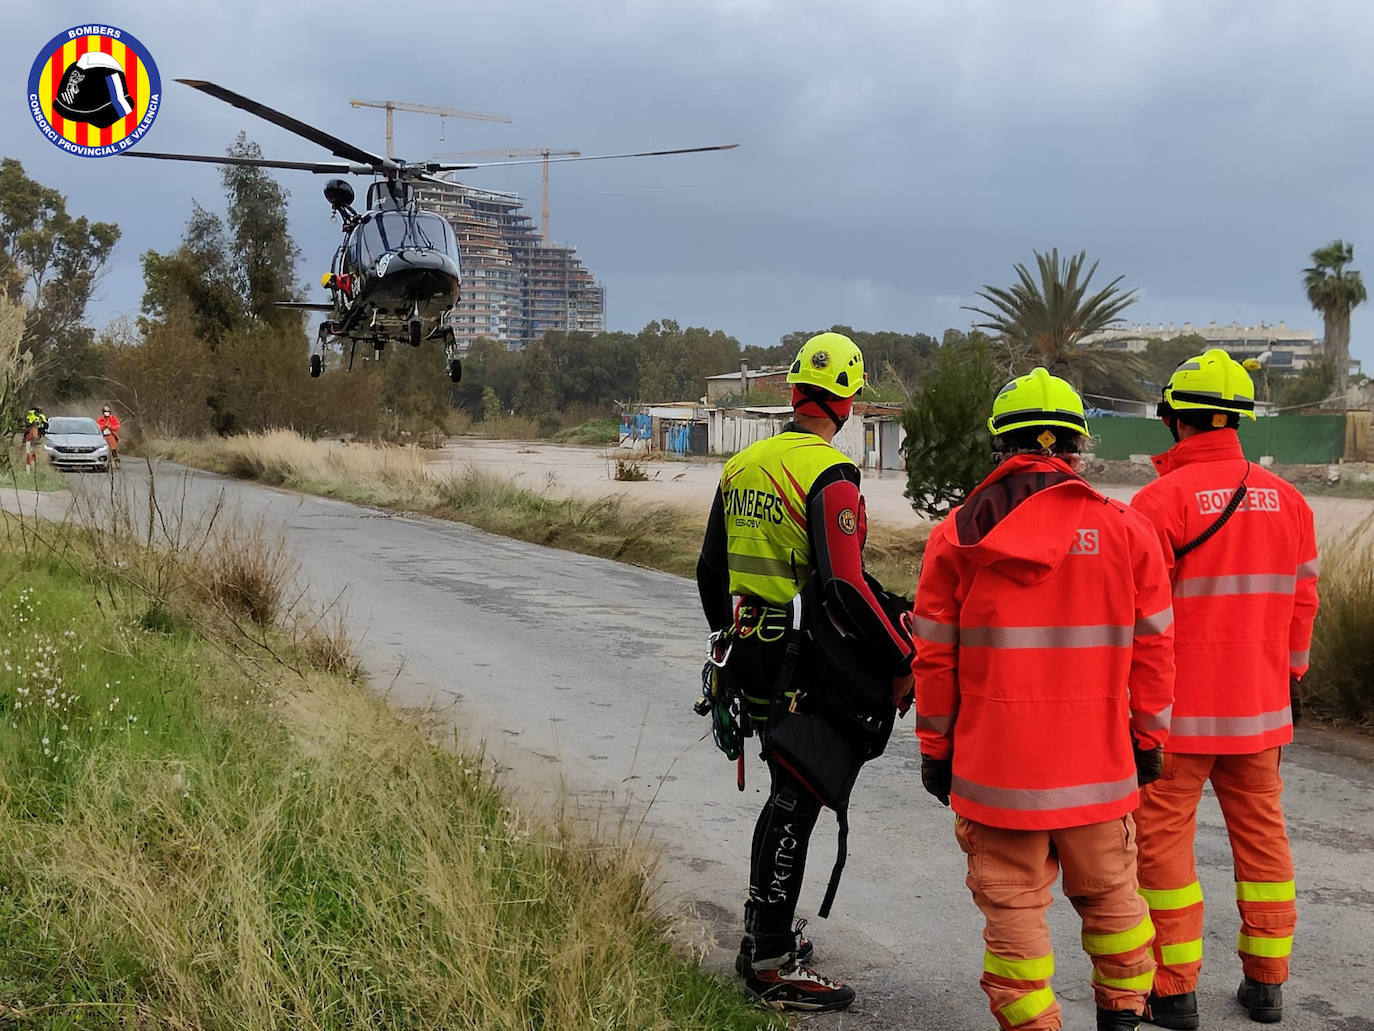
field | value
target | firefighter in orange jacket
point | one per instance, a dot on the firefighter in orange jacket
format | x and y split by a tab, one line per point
1044	676
1243	558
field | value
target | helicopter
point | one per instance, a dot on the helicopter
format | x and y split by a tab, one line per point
397	273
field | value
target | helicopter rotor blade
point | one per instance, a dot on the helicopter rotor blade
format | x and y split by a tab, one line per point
320	167
335	146
439	166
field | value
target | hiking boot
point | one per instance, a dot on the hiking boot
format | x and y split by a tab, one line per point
1117	1020
1264	1002
795	987
1177	1012
802	950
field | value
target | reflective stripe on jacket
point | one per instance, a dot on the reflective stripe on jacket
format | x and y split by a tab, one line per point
1044	649
764	489
1245	600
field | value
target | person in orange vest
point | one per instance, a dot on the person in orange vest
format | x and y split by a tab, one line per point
109	429
1044	677
1242	551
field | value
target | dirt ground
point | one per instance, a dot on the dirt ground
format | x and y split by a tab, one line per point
590	472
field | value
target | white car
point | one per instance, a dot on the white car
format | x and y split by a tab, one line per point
75	442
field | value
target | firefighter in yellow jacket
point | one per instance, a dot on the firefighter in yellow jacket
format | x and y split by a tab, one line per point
789	510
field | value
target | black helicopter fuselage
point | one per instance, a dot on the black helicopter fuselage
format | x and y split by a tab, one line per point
395	266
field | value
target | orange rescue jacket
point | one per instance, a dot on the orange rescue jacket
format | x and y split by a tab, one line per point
1044	649
1245	600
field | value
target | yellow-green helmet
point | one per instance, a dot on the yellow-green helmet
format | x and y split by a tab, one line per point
1037	399
1211	382
830	361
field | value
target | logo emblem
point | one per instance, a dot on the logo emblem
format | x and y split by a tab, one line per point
848	522
820	360
1085	542
94	91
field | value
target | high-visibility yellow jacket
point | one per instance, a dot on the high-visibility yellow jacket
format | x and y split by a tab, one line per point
764	491
788	509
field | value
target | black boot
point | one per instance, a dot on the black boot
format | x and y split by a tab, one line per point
1264	1002
1117	1020
796	987
1176	1012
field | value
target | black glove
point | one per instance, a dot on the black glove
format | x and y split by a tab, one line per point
936	776
1149	765
1295	698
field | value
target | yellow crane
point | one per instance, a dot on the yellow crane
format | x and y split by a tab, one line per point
521	152
392	106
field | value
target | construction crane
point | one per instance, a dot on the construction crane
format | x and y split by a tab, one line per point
392	106
521	152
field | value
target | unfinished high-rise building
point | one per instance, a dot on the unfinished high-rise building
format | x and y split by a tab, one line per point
514	287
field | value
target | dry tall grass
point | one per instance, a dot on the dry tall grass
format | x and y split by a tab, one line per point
1340	683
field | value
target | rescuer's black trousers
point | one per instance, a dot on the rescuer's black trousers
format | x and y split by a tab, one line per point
776	865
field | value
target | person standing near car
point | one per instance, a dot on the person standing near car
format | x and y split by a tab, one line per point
1242	550
788	513
109	429
35	429
1044	678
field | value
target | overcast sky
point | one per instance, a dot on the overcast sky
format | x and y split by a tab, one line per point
895	155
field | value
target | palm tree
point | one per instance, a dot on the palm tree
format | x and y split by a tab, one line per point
1050	319
1334	290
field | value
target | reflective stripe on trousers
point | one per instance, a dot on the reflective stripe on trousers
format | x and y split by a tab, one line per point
1011	875
1248	788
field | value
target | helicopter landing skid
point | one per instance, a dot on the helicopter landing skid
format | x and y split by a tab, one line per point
452	362
317	352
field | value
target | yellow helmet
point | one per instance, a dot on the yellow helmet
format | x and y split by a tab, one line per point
1037	399
1211	382
830	361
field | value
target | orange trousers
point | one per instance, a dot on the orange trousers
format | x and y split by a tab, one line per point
1249	789
1011	872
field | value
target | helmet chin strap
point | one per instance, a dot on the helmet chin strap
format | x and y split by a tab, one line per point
1169	417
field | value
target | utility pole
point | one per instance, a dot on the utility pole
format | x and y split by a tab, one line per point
521	152
392	106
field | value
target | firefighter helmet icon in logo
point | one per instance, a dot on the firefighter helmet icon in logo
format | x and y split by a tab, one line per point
94	91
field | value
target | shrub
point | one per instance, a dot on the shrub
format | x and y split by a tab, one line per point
247	572
626	469
947	448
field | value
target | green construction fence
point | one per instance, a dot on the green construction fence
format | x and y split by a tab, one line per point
1290	439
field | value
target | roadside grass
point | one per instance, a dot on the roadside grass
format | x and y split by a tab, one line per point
1340	682
14	477
204	824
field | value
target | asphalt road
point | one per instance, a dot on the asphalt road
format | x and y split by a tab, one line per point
579	674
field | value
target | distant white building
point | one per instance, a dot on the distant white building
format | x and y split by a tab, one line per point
1290	349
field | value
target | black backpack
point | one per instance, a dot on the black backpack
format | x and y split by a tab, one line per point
843	717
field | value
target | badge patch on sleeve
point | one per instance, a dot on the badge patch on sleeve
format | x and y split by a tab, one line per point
848	521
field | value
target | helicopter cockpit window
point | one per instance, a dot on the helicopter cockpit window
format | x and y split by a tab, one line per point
393	230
